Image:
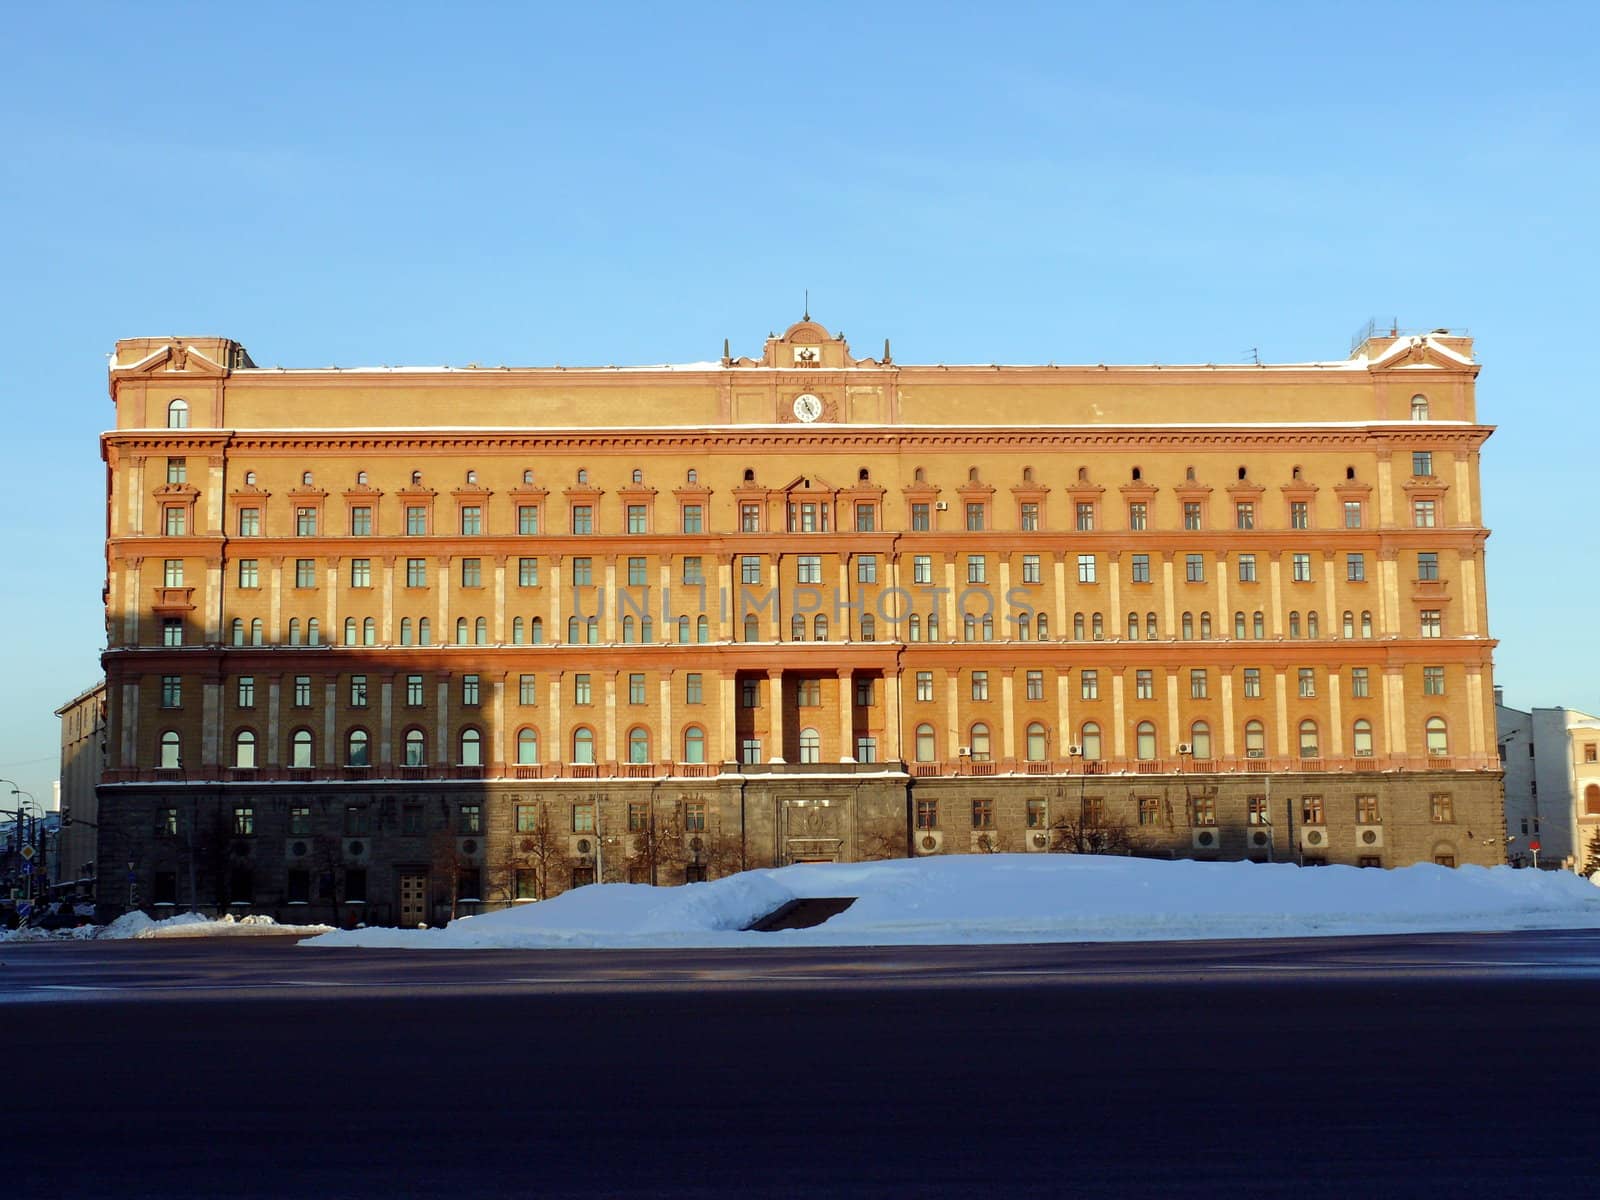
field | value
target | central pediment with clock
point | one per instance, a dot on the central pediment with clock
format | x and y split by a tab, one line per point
807	376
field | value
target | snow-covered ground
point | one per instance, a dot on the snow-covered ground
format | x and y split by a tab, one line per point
184	925
1026	898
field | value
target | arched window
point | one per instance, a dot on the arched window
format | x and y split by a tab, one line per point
820	628
933	626
1361	738
694	744
350	628
583	475
356	754
236	631
925	743
592	628
1024	627
1188	627
1310	747
1188	474
294	631
306	479
919	475
1258	625
1077	627
797	628
361	479
1438	737
1205	627
249	479
583	745
1238	626
1133	627
369	631
1349	625
638	745
424	632
244	749
406	634
1089	741
527	477
752	628
869	628
629	630
1027	474
461	631
1366	624
1419	408
416	748
978	742
1150	627
1043	623
574	631
480	631
519	632
472	477
988	627
915	627
1097	626
1294	624
1313	626
969	627
810	746
300	748
638	475
471	748
749	475
702	628
1144	736
683	631
178	414
170	759
1200	740
527	746
972	474
1037	742
693	476
1137	474
1591	800
416	478
257	631
536	629
1255	739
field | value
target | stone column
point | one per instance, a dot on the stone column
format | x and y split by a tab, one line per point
1226	685
1169	618
1176	733
891	717
1275	575
330	706
611	717
273	752
442	751
1119	716
386	722
1008	722
498	627
1281	701
847	700
275	601
775	703
1335	717
608	607
728	701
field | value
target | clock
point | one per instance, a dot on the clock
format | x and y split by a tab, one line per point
807	407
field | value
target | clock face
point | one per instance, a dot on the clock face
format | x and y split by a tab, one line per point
807	407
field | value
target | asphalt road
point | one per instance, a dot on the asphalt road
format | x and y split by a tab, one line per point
1454	1065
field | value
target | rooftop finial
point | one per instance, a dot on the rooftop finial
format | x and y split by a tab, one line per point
807	315
727	357
887	357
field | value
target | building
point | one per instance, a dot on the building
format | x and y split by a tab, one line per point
1551	758
83	761
385	641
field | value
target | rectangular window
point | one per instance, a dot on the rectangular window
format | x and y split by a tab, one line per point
1030	517
582	518
1422	464
1444	808
582	572
922	568
1030	568
472	572
299	820
693	519
172	573
1308	683
244	820
305	572
924	685
1311	810
414	691
360	572
866	749
527	519
1144	685
749	693
693	570
358	691
469	691
1367	811
927	814
416	572
172	631
1035	685
249	573
167	822
1086	573
1359	684
302	691
1432	621
750	569
1247	568
638	816
361	520
1252	683
980	685
527	690
1433	681
864	690
177	470
1352	514
750	751
1422	514
749	518
1355	568
919	518
867	568
1299	514
974	517
1244	515
583	816
471	818
581	692
1083	516
249	522
245	691
171	691
1138	515
1037	816
1256	811
636	688
808	693
1198	686
1149	810
1301	565
1140	569
808	568
305	522
638	571
416	520
983	814
1427	565
527	572
977	568
866	518
1194	568
1191	515
637	520
177	521
693	688
1089	685
471	520
1204	810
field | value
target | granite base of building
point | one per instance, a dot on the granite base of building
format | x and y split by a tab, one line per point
402	853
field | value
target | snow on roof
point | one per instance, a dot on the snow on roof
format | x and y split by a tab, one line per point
787	427
1402	344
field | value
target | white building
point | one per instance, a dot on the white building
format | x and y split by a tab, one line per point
1552	780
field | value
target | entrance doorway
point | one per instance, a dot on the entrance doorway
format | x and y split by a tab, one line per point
413	898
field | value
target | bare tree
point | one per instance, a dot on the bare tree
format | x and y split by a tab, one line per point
540	849
991	841
1092	832
656	847
722	852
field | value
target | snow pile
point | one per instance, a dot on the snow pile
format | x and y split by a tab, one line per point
1026	898
184	925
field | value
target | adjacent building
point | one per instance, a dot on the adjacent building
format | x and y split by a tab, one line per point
83	761
387	641
1551	758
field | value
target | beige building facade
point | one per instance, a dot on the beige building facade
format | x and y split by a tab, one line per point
394	639
83	760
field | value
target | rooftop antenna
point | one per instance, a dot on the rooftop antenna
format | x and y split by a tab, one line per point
1255	354
807	316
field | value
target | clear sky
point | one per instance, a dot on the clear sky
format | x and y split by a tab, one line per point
587	183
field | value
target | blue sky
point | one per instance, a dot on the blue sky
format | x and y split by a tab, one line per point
385	183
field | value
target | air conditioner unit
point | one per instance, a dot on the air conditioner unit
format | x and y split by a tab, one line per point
964	751
1037	839
297	849
1259	837
941	506
357	849
928	841
1185	748
1208	837
1255	753
1313	837
1074	751
1369	836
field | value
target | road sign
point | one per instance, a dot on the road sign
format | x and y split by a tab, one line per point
27	868
27	854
